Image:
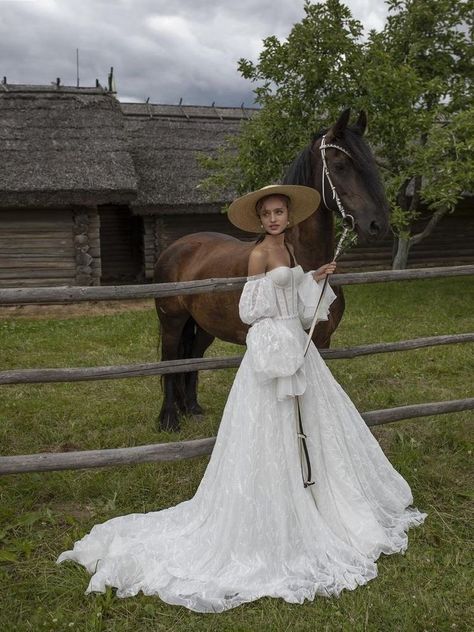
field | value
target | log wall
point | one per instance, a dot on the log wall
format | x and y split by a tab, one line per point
37	248
451	243
169	228
49	247
53	247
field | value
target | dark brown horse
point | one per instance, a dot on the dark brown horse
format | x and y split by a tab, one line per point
189	323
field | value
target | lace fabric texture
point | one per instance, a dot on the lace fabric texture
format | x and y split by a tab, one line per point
252	529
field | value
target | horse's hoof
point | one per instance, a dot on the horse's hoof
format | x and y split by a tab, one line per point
199	417
195	410
168	423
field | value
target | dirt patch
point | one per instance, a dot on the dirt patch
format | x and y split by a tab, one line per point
73	310
76	511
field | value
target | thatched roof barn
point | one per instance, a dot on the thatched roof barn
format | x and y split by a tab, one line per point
85	182
165	141
63	155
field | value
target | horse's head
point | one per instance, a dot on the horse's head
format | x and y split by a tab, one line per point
353	172
354	175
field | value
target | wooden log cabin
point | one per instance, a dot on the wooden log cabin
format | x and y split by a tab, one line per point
63	159
92	190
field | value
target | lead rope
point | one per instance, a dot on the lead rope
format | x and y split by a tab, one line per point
348	226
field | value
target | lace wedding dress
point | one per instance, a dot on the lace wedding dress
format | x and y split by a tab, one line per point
252	529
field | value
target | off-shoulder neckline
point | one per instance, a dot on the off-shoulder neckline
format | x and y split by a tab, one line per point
264	274
289	267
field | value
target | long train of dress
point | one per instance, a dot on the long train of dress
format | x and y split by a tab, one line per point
252	529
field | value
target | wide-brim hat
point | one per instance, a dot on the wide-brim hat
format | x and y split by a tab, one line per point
303	202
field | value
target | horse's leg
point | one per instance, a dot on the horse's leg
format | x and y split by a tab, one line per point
171	334
201	341
184	351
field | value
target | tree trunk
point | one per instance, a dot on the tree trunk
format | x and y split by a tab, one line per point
400	260
401	257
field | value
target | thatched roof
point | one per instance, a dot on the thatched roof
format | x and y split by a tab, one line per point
164	141
61	146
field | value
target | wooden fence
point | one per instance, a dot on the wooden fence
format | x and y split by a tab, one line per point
199	447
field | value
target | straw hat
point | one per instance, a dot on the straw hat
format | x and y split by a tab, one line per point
303	202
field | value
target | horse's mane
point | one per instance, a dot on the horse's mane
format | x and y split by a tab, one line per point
300	170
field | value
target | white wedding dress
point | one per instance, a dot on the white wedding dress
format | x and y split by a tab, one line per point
252	529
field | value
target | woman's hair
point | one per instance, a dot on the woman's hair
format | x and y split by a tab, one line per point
258	208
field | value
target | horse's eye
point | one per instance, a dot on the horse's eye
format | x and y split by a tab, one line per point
339	166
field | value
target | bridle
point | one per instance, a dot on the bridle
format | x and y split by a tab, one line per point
347	218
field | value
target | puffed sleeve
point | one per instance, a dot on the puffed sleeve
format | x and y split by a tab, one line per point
257	299
309	292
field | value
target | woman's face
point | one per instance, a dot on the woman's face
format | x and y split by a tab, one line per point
274	214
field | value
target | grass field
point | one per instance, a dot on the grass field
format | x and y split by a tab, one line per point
41	515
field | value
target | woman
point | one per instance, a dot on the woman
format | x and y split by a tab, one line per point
257	525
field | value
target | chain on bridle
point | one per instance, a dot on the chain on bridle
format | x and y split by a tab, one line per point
347	219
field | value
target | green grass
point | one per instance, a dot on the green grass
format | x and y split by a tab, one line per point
43	514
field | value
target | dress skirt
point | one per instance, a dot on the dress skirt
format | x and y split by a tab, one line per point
252	529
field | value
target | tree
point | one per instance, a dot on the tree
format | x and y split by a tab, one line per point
302	85
418	85
414	78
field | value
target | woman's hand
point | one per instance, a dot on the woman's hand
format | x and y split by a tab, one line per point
327	268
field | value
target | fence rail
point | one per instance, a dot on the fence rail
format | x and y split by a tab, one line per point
87	459
42	295
166	367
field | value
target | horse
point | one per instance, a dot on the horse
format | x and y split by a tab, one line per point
190	323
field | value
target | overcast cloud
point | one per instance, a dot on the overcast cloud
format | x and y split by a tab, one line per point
159	49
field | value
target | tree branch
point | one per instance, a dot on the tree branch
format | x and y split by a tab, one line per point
435	218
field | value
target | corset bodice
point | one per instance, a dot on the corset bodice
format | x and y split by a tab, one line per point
285	282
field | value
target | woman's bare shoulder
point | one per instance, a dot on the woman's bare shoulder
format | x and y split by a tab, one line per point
257	260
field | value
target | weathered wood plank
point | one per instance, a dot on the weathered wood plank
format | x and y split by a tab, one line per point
84	374
32	228
121	292
59	271
48	461
23	262
35	252
387	415
35	236
414	254
39	283
98	458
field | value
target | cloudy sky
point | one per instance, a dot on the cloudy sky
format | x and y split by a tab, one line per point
160	49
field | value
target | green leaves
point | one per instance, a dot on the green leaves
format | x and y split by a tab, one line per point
414	78
422	83
448	158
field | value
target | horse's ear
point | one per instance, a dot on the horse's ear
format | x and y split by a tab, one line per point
337	130
361	124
